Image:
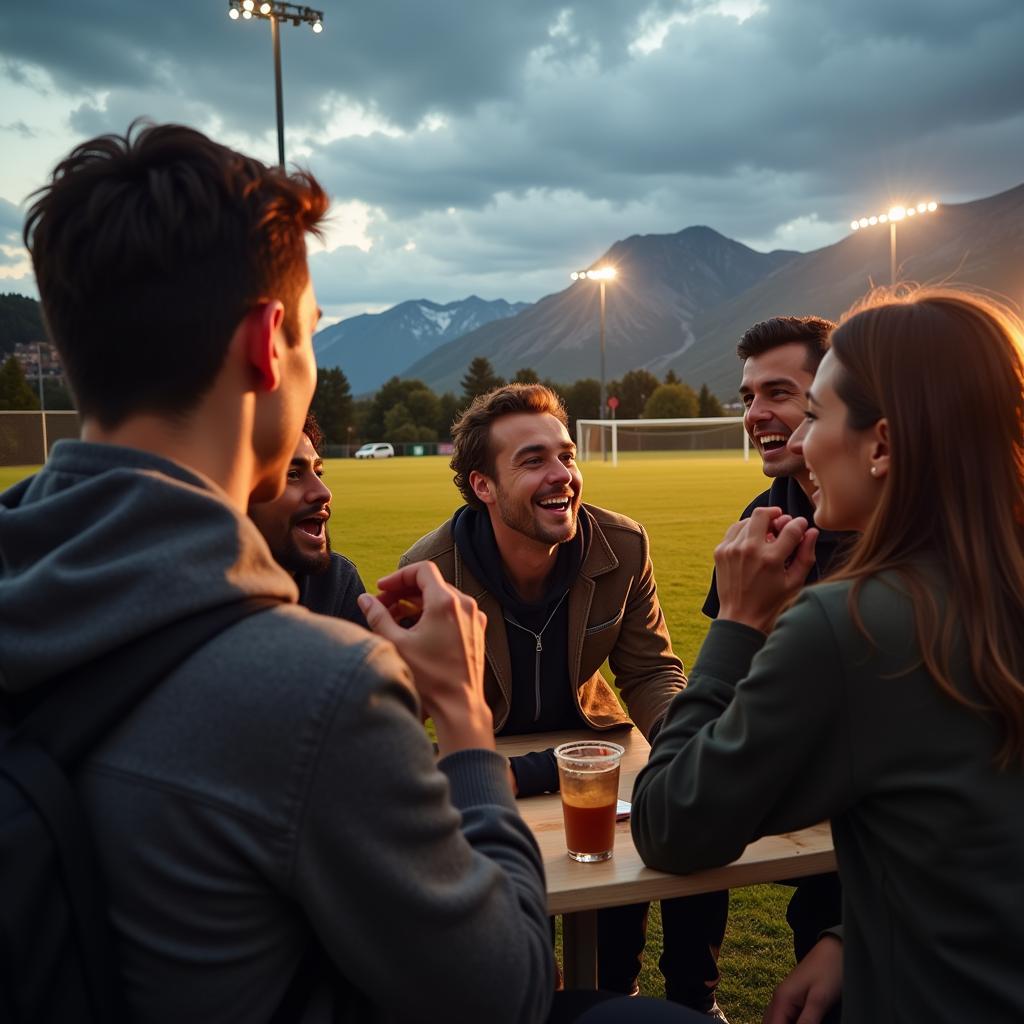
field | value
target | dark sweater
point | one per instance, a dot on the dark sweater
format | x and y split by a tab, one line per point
929	835
786	493
333	592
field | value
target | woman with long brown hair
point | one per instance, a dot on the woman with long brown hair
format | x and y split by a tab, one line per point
888	699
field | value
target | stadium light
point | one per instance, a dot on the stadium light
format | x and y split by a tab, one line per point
892	217
602	275
275	12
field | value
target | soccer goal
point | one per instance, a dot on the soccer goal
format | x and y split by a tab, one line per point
608	439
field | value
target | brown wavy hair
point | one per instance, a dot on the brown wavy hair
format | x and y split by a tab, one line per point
471	432
945	368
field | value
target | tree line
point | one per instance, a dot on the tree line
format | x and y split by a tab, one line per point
407	410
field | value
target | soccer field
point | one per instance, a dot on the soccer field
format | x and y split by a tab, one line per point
382	506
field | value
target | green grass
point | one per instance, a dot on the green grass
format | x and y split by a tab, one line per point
381	507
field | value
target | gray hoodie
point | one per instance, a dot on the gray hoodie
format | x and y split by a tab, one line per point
278	786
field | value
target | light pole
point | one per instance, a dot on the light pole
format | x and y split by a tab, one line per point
275	12
602	275
892	217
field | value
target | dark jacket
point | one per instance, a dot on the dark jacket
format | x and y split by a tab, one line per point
614	615
816	722
277	789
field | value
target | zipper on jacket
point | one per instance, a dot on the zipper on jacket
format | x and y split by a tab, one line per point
538	651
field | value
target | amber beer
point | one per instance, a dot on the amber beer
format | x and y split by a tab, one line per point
589	779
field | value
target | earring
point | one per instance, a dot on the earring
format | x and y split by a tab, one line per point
874	471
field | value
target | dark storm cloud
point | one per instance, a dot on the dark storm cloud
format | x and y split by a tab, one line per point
557	134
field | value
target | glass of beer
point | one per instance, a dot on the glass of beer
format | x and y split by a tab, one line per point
588	772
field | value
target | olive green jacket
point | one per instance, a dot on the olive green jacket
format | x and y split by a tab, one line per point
614	616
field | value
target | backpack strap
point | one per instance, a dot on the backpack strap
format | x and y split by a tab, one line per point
82	705
79	708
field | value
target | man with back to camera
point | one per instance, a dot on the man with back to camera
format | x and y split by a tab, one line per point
275	795
294	526
780	358
566	586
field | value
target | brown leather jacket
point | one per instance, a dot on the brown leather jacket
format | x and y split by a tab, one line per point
614	615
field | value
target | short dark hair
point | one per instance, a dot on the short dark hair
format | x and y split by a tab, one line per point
810	331
149	249
471	432
314	432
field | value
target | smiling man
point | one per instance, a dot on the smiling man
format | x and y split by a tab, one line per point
295	529
565	586
780	359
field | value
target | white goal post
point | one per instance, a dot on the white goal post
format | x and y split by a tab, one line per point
609	430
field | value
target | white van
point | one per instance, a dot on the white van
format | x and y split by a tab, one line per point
376	450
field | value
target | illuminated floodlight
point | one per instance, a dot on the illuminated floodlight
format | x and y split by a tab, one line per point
932	207
883	218
911	210
854	225
233	13
872	221
248	5
264	9
247	15
318	27
575	275
897	213
864	222
922	207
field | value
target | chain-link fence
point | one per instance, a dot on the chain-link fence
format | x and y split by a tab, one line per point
26	437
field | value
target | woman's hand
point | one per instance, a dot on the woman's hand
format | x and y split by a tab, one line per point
762	562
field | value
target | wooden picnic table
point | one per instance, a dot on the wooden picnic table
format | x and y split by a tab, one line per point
577	891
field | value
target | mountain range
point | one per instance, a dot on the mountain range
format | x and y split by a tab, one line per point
372	347
682	301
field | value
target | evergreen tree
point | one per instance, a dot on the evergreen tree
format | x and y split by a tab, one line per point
448	413
15	391
332	405
671	401
396	392
526	375
673	378
582	401
480	378
707	404
632	392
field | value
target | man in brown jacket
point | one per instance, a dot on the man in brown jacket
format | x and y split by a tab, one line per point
566	587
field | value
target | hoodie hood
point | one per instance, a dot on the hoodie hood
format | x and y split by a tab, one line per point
107	543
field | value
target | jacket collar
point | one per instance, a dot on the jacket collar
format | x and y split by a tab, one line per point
600	558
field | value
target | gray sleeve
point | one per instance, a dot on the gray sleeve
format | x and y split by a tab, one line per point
740	758
423	883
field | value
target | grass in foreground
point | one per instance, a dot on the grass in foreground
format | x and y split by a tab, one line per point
381	507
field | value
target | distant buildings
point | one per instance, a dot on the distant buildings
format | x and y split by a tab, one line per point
29	354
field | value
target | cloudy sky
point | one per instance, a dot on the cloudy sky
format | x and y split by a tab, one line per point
491	147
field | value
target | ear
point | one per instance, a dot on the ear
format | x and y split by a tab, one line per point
263	337
879	450
482	486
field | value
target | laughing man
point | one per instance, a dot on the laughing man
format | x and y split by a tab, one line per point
295	529
565	587
780	358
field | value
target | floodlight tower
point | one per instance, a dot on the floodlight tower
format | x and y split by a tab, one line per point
892	217
602	275
275	12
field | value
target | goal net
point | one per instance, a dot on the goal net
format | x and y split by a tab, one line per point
613	439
